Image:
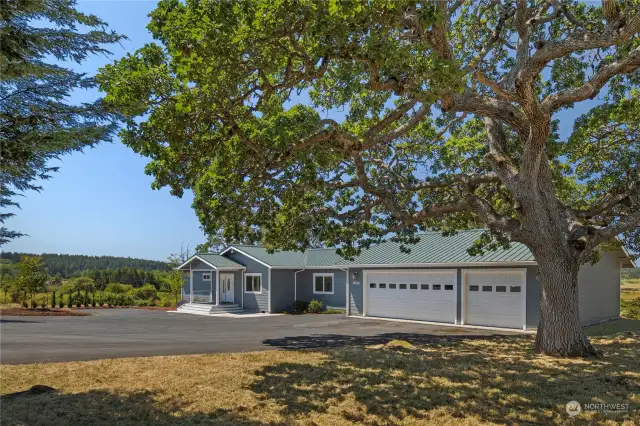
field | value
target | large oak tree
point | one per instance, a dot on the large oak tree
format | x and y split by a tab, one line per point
448	119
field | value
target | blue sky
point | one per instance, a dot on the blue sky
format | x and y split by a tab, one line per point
101	202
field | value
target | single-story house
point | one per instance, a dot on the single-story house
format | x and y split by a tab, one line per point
437	281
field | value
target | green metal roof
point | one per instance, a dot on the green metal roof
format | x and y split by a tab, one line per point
434	248
218	261
283	259
323	257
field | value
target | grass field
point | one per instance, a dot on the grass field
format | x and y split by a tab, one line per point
448	382
630	289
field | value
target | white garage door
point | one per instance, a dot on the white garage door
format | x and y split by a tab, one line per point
418	295
494	298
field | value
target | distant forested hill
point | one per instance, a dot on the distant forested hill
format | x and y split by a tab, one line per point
68	265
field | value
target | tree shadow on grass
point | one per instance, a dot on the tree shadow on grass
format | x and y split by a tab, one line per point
98	407
497	379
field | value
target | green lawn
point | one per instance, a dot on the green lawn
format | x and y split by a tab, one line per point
424	381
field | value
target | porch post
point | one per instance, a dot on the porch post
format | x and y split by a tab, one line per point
190	284
217	287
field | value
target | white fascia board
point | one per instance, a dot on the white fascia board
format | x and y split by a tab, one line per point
248	255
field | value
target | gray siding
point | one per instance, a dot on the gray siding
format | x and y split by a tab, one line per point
254	302
237	290
355	292
196	264
305	287
599	289
282	291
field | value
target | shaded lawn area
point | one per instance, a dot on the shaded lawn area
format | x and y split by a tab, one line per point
417	380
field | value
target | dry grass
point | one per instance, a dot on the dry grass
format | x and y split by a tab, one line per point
436	381
630	289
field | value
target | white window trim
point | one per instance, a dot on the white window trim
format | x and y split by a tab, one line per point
333	283
204	274
244	282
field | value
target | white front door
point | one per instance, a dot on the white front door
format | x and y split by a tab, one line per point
226	288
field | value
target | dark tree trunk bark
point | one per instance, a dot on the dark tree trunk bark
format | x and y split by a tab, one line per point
559	330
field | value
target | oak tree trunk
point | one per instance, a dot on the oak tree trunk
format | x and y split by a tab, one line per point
559	330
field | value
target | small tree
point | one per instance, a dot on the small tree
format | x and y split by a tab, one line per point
173	282
31	275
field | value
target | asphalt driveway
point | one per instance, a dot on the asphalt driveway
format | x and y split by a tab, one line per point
117	333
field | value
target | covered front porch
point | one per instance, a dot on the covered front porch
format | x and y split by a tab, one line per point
213	280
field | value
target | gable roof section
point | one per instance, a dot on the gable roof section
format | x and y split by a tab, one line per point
433	248
278	259
214	260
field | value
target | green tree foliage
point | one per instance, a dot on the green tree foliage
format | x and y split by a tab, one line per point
173	282
117	288
69	265
32	277
37	123
448	119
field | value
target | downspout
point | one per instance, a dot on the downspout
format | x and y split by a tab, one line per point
346	285
190	284
217	287
269	290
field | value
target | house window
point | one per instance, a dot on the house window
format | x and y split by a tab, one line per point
323	283
253	283
206	277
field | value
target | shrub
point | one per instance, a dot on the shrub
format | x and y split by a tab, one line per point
300	306
53	300
25	304
117	288
147	291
315	306
630	308
34	303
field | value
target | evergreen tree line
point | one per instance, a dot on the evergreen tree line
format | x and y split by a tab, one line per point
132	270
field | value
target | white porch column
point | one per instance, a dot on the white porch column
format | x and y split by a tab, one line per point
217	287
190	284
